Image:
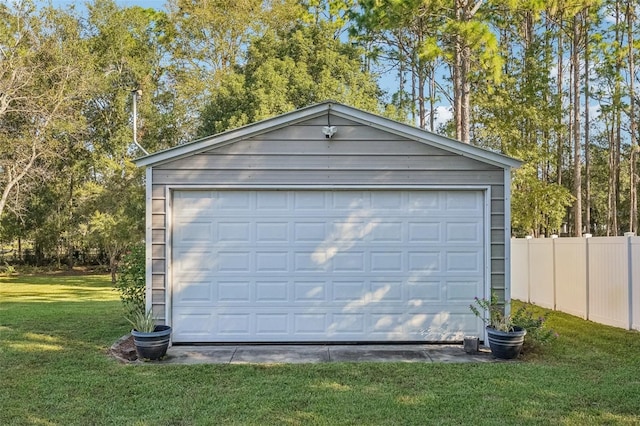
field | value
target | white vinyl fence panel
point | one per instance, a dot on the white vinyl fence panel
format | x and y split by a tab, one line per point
541	276
609	281
520	269
594	278
571	275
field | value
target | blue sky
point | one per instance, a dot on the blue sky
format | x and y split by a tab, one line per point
387	82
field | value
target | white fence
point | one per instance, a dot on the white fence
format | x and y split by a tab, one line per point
594	278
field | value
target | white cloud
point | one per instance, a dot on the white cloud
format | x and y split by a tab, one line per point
443	115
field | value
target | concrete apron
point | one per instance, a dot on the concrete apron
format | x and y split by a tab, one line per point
298	354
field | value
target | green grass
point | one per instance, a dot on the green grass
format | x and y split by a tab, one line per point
55	330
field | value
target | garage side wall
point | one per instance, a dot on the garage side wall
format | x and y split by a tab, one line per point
300	154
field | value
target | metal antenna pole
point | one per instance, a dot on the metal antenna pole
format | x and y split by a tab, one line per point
136	93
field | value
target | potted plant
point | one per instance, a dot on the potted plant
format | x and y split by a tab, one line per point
505	338
151	340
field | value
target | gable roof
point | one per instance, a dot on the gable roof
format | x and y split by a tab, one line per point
338	110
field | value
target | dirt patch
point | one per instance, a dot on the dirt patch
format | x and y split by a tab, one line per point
124	350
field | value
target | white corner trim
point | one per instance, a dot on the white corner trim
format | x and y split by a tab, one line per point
148	252
168	277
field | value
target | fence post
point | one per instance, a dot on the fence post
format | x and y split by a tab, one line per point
528	238
554	237
630	277
586	310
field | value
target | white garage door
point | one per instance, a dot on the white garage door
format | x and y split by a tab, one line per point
311	265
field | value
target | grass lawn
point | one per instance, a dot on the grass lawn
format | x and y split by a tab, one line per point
54	332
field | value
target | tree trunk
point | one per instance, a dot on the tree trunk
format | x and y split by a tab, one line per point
559	89
617	108
457	86
587	146
611	188
577	163
462	67
633	196
113	268
432	99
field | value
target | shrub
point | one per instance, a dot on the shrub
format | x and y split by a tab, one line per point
537	331
495	317
130	281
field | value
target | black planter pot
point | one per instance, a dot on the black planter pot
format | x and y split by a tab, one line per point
506	344
152	345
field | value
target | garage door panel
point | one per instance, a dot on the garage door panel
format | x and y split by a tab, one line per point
194	202
388	200
195	291
349	324
194	230
425	262
272	291
272	261
349	201
309	232
462	291
193	259
309	291
272	232
463	201
425	232
386	232
319	325
423	291
463	232
348	261
233	200
233	232
464	262
313	201
234	261
326	265
234	324
387	261
270	324
273	201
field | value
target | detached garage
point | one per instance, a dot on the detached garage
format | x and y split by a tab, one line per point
326	224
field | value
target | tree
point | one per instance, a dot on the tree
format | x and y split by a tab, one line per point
423	33
208	39
115	221
42	86
288	71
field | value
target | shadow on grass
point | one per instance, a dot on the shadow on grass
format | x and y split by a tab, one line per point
57	288
86	280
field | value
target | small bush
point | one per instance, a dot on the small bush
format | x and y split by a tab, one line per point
130	282
537	331
8	270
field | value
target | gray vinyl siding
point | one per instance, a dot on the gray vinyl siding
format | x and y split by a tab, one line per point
299	154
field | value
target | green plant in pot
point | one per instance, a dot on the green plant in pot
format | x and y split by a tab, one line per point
151	340
505	338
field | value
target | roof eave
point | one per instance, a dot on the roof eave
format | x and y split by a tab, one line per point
420	135
231	136
366	118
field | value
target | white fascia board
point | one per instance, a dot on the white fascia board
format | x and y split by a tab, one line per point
425	137
231	136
